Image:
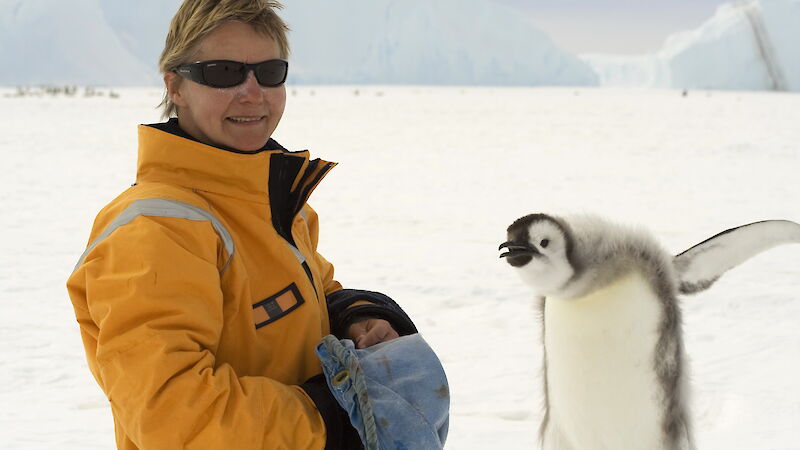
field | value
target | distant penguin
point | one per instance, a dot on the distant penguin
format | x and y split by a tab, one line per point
615	375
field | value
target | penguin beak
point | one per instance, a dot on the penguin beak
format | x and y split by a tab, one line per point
516	249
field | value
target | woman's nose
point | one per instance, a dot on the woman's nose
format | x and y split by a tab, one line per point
250	90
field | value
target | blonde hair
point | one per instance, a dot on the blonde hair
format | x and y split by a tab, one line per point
195	19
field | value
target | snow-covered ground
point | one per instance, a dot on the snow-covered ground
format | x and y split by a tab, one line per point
429	179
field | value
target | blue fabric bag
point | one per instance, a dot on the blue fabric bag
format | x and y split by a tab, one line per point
395	392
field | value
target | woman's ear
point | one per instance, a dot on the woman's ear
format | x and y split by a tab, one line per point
172	81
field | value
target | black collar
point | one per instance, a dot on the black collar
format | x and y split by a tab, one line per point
173	127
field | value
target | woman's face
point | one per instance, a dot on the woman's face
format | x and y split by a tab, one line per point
242	117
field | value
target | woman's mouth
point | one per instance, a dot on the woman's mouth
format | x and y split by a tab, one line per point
245	119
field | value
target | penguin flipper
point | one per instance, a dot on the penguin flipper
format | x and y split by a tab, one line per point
700	266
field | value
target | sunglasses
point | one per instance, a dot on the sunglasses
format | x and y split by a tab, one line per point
225	74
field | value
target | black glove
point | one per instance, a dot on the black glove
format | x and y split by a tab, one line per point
340	433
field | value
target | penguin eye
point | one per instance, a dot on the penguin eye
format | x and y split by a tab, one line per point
545	243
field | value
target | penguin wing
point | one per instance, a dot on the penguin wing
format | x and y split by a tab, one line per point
700	266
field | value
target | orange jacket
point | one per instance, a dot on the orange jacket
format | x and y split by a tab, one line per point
201	298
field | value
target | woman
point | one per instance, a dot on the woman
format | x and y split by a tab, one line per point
201	295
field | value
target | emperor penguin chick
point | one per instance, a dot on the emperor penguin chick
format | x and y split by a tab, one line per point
615	374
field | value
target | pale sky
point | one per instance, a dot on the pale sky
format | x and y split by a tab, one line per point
614	26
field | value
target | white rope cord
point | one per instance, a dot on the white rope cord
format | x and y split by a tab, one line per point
350	362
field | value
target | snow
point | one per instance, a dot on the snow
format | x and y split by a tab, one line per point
723	53
429	178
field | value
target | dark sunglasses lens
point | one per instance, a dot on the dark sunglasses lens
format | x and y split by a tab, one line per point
223	74
271	73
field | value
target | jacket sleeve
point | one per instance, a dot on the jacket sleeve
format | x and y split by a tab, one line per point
153	290
346	306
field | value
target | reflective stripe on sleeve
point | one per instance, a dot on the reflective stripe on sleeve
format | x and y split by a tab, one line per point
159	207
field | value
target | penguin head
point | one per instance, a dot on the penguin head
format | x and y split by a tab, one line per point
539	247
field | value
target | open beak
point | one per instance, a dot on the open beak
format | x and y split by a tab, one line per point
515	249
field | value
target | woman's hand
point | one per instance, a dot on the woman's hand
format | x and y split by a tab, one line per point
368	332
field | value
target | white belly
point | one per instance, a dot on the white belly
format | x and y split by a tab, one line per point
603	391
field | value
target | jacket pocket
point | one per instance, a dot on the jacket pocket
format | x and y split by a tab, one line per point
277	306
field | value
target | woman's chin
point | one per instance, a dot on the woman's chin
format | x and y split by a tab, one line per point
247	142
249	147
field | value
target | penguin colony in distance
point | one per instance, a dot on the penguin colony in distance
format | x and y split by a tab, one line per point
615	375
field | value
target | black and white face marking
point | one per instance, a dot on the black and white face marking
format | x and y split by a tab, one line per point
538	247
520	248
524	247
